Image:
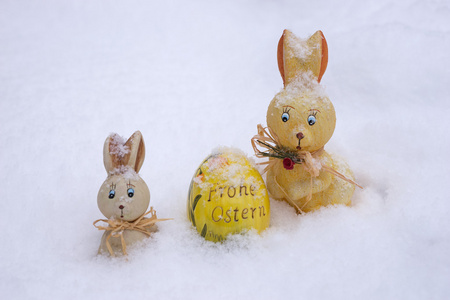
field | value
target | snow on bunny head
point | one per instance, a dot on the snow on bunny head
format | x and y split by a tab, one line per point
301	115
123	195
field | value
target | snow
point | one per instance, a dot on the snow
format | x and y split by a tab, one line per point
299	46
304	84
117	146
195	75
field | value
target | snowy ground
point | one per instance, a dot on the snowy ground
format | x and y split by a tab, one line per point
193	75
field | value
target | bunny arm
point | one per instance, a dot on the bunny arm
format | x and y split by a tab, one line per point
297	183
297	190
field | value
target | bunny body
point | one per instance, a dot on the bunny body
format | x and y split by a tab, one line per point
124	196
303	119
130	238
296	183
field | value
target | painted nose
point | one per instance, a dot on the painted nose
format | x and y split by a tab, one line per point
300	135
121	207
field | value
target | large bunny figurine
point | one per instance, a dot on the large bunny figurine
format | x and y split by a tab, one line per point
124	197
301	119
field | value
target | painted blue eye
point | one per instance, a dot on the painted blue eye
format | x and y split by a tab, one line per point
112	193
130	192
285	117
311	120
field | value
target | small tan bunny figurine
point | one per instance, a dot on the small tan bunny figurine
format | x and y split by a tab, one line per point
124	197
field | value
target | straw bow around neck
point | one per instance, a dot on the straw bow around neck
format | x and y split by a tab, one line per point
116	228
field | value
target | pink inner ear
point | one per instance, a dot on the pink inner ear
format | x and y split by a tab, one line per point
280	57
324	61
140	156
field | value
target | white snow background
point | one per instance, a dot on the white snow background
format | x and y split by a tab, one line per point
194	75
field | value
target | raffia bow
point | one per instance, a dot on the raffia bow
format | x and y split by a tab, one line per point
268	140
116	228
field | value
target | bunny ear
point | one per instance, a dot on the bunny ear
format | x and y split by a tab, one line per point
118	153
115	152
296	56
136	155
108	160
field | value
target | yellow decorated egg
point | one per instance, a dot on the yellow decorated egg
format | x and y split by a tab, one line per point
227	195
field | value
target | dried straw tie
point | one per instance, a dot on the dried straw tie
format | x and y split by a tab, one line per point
268	140
118	226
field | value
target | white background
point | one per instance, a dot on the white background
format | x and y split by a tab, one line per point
194	75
